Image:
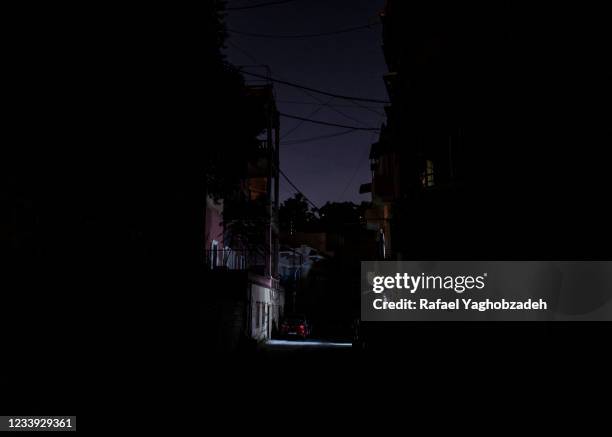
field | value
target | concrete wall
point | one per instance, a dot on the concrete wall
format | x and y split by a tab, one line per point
225	309
266	308
214	224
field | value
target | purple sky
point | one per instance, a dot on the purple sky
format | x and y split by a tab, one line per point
349	64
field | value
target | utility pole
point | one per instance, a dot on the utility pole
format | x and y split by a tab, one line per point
294	280
450	157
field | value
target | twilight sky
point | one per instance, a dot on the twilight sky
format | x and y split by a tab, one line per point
348	63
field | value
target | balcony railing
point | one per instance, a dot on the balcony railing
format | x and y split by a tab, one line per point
230	259
227	259
263	145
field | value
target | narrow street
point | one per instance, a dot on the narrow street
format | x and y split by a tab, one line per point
310	347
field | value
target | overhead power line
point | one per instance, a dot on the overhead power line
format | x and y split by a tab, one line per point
297	189
259	5
367	108
354	174
319	100
320	137
295	117
339	96
297	126
244	52
334	105
303	35
358	165
337	111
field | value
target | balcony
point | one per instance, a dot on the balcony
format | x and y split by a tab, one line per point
261	163
263	146
230	259
226	259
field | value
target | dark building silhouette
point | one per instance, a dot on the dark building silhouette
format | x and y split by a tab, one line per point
241	239
493	146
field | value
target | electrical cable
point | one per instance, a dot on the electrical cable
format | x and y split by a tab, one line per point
293	129
357	167
304	35
320	137
324	123
338	96
335	105
297	189
258	5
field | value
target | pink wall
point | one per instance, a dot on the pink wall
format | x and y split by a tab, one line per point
213	229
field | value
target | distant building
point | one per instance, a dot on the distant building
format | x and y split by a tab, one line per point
295	263
323	266
317	240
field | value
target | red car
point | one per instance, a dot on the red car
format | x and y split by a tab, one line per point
295	326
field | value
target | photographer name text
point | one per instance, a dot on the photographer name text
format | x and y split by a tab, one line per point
459	304
403	282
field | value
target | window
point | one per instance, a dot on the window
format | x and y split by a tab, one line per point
381	244
233	264
258	187
228	257
261	313
214	254
427	177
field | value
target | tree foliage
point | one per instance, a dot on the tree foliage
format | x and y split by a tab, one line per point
295	215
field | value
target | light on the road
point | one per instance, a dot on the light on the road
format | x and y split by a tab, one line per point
306	343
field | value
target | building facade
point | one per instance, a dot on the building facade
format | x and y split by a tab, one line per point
415	160
241	239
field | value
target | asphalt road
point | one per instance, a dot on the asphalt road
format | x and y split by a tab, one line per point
310	347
